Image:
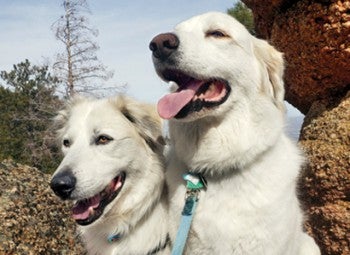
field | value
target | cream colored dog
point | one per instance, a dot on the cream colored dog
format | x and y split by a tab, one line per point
113	170
226	117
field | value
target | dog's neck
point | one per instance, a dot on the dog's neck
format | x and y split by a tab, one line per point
202	144
148	236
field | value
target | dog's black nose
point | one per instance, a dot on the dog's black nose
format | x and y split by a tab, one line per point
163	45
63	184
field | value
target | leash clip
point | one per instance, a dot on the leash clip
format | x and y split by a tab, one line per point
195	182
192	193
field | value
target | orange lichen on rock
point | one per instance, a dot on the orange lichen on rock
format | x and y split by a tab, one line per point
325	182
315	38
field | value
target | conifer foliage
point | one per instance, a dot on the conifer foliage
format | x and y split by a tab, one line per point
244	15
28	104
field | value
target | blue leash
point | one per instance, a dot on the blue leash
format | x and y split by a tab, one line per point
194	184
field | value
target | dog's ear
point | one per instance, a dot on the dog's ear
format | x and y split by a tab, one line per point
272	63
146	120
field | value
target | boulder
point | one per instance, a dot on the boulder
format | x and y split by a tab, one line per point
32	219
315	38
264	14
325	181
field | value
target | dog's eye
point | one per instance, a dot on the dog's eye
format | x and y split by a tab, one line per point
66	143
216	34
103	139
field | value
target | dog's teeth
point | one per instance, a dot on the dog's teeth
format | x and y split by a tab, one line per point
117	186
118	183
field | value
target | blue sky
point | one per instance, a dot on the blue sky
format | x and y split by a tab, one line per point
125	30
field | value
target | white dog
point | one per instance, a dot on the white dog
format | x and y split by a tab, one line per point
113	168
226	123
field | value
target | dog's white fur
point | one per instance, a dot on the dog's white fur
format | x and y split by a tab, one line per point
139	212
250	205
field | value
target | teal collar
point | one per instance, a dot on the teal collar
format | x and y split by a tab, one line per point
194	181
114	237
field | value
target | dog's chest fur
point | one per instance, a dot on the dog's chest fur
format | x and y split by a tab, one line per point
249	211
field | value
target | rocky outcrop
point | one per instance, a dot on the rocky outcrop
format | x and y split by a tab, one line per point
325	182
264	14
315	38
32	219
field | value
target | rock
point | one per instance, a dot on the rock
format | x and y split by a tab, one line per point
325	182
32	219
315	38
264	14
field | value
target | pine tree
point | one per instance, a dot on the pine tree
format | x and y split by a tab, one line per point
28	104
244	15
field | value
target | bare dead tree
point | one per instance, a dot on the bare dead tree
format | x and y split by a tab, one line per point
78	66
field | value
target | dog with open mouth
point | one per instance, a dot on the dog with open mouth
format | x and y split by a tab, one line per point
113	169
226	115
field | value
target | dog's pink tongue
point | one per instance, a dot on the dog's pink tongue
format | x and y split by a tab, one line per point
170	105
82	209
